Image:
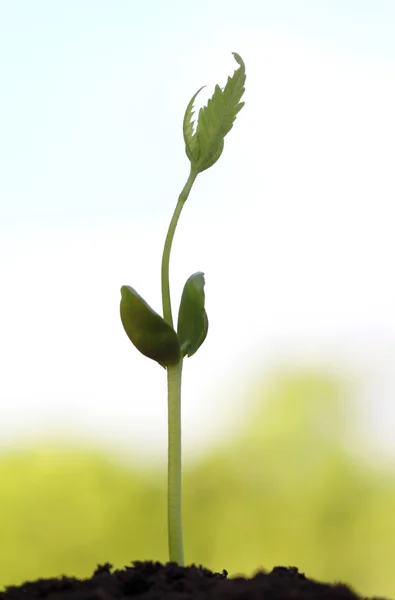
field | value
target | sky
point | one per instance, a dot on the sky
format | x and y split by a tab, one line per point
293	227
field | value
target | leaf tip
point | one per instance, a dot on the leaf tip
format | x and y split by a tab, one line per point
239	60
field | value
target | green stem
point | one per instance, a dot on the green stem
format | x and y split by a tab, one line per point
174	375
166	302
174	520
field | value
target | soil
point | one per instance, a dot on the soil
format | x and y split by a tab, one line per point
155	581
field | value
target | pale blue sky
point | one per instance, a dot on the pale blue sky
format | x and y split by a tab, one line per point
298	211
75	76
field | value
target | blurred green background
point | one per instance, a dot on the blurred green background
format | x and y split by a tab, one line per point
285	489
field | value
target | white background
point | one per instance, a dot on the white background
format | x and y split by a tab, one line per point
293	227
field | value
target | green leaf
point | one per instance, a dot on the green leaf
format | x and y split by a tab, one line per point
189	137
192	318
147	330
205	146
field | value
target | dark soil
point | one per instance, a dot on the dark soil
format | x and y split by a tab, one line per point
155	581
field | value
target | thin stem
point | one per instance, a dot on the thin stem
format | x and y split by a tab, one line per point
174	375
166	302
174	519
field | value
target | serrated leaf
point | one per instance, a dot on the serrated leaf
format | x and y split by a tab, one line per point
205	146
216	119
192	317
190	138
147	330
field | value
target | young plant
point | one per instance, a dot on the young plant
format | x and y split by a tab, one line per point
155	336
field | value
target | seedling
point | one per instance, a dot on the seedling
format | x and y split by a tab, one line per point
155	336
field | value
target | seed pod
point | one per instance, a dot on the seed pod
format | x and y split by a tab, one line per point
192	323
147	330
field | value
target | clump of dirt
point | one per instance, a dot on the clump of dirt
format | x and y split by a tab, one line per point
156	581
